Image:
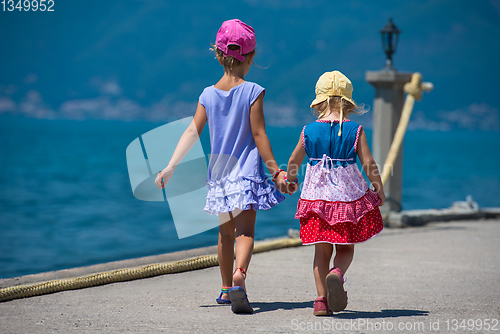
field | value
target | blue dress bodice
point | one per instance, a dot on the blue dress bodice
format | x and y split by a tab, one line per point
321	139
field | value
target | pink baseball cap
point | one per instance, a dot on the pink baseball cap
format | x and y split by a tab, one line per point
235	32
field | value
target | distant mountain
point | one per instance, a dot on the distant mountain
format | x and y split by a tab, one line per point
150	59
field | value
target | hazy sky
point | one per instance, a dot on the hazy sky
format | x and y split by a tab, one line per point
151	57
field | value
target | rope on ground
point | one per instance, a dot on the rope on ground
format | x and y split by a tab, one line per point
414	90
129	274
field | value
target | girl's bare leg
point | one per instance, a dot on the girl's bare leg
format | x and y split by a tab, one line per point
245	233
322	255
225	251
343	257
240	227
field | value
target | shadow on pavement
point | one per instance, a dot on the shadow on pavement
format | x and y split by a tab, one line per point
272	306
382	314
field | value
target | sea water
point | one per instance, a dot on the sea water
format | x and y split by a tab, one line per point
66	199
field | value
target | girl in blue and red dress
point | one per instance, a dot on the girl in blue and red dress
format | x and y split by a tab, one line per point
336	207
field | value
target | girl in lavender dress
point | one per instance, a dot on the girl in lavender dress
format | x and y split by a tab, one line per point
336	207
237	184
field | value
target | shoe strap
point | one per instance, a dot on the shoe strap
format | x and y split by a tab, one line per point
338	272
242	271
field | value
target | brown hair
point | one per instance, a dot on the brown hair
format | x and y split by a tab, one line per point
333	104
229	62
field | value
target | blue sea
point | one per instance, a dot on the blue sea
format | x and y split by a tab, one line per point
66	199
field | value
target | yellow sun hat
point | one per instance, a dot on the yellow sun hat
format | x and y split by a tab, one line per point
332	84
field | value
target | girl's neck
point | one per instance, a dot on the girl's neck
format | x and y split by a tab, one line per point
332	116
230	79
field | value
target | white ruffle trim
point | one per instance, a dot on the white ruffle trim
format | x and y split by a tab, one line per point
242	193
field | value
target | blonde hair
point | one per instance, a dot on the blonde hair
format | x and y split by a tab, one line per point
336	104
229	62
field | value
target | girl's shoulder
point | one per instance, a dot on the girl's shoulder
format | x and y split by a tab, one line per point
254	85
252	91
352	124
253	88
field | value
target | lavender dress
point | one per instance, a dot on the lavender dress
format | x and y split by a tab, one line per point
236	177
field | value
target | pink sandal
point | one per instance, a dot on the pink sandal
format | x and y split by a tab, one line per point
336	295
321	307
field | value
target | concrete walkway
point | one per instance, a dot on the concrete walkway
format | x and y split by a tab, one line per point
422	280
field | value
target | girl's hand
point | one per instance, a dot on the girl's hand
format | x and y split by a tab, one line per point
280	183
283	186
164	176
293	188
381	195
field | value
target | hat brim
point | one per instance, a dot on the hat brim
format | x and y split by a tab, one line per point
318	100
322	98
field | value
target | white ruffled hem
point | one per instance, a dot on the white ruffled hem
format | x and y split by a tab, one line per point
244	194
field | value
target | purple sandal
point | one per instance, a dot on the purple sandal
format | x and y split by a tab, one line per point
239	300
221	300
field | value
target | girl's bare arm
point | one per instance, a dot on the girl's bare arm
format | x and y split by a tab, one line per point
295	161
370	166
187	141
258	125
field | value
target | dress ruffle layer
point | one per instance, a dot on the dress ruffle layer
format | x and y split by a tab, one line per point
315	230
338	212
242	193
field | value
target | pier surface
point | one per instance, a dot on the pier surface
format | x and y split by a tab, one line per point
442	277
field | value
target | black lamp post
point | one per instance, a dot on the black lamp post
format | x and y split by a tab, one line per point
390	35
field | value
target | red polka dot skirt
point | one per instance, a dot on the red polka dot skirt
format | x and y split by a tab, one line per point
314	229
